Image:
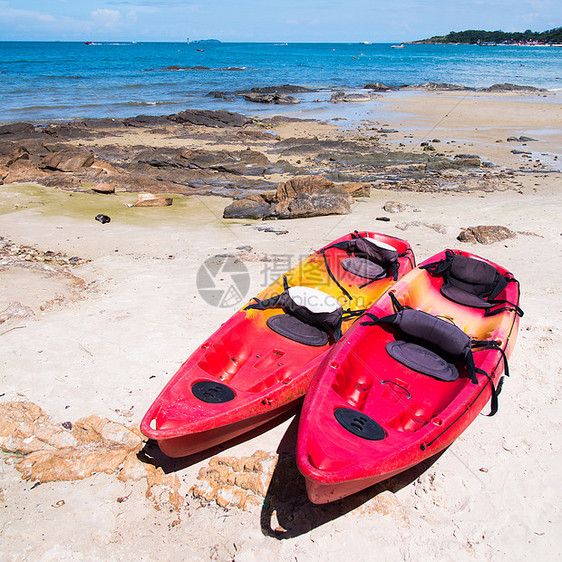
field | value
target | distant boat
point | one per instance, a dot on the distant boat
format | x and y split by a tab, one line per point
200	50
365	42
88	43
401	46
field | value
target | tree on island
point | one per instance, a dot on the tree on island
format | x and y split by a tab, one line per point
475	37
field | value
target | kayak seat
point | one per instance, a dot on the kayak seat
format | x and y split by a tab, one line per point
428	344
365	268
294	329
468	281
422	360
311	316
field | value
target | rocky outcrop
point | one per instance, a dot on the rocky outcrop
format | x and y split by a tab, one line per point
284	89
314	205
306	196
304	184
485	234
377	87
437	86
275	98
338	97
219	118
68	161
46	451
512	88
252	206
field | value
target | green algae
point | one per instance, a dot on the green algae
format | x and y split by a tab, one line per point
48	201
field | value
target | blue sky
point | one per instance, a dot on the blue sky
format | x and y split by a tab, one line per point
259	20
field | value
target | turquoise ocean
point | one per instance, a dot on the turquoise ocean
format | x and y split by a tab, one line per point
42	81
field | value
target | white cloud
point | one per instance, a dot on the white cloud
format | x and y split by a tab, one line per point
106	18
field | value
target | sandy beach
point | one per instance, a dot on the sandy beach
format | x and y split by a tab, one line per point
102	334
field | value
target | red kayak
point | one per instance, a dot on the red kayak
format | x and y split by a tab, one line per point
404	384
259	363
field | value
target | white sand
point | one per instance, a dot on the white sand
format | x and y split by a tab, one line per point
494	494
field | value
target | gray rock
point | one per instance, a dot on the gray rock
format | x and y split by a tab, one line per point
338	97
377	87
284	89
215	119
511	88
250	207
275	98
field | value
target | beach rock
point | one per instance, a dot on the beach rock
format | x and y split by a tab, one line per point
145	121
527	139
68	161
515	151
284	89
394	207
338	97
242	162
67	131
386	131
103	188
153	200
439	228
511	88
438	86
313	205
236	482
206	118
275	98
377	87
250	207
355	188
303	184
17	129
485	234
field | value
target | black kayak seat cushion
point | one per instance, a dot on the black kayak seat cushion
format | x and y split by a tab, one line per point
461	296
364	268
422	360
468	281
294	329
310	306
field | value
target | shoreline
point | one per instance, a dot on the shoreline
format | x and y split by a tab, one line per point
108	345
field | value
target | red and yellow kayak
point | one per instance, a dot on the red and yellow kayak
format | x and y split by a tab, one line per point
246	373
371	412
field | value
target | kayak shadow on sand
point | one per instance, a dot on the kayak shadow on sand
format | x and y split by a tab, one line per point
151	453
287	512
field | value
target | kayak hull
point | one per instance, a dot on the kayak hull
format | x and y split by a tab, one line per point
266	373
419	415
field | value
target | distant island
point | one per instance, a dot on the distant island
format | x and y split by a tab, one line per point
480	37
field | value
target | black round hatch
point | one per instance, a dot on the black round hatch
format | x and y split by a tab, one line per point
359	424
212	392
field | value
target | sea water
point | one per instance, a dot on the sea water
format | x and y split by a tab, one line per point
43	81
